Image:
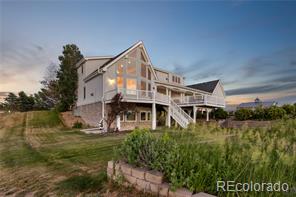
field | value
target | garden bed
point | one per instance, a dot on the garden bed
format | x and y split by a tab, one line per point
146	180
197	157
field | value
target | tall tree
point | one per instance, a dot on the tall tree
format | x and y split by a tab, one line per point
67	76
11	102
25	102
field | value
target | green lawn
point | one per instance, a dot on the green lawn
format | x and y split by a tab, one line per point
39	156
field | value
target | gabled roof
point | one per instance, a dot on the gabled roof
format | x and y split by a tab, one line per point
117	56
120	55
114	59
205	86
82	60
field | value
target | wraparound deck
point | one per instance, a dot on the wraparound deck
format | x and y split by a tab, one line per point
143	96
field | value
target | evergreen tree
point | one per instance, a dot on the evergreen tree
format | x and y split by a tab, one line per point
11	102
25	102
67	76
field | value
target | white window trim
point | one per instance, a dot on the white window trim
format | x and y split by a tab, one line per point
126	120
146	116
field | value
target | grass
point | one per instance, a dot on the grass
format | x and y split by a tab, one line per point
37	154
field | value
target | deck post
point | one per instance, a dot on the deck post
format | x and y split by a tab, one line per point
208	112
153	116
168	118
194	114
118	122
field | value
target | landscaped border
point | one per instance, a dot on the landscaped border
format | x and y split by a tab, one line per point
146	181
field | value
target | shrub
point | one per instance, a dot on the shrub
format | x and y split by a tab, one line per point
260	113
253	155
243	114
220	113
290	109
143	149
275	112
77	125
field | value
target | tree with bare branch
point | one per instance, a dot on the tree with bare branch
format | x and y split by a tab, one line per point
117	106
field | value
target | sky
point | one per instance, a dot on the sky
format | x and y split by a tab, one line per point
249	46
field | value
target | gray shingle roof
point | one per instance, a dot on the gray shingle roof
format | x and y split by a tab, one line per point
205	86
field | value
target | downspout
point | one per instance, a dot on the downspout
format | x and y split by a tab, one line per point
103	101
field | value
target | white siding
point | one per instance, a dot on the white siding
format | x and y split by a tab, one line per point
219	91
93	91
162	76
91	65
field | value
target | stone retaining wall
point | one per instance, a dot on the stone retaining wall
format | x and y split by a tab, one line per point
146	181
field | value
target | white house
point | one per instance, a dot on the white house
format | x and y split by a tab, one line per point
154	91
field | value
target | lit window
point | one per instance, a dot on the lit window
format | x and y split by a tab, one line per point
131	67
119	82
131	116
120	69
131	84
143	87
143	70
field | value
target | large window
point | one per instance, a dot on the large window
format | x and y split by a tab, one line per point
143	85
143	57
149	74
143	70
131	116
133	53
131	68
131	84
120	69
120	82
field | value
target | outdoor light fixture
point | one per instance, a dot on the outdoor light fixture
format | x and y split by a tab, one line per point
111	81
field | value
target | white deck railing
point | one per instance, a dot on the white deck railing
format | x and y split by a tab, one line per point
144	95
179	114
201	99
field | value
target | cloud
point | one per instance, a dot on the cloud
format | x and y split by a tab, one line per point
187	69
278	62
261	89
22	65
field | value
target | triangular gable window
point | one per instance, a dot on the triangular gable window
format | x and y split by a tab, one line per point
133	53
143	57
